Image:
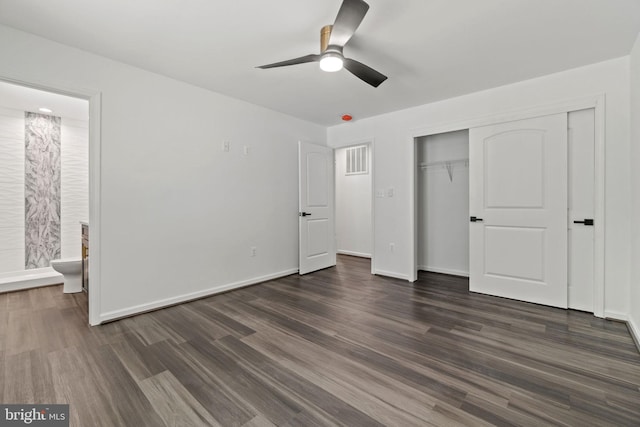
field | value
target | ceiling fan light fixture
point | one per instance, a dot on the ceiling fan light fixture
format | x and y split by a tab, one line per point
331	62
333	38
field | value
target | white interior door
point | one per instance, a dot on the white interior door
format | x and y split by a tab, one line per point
581	209
316	210
518	208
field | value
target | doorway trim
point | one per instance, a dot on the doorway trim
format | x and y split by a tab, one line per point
94	97
371	143
597	102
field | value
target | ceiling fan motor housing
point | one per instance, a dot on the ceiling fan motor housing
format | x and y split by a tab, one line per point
325	34
325	47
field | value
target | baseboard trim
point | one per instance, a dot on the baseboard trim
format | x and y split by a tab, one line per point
391	274
634	329
155	305
444	271
29	279
351	253
616	316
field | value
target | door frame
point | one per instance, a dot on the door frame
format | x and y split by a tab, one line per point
94	97
371	143
597	102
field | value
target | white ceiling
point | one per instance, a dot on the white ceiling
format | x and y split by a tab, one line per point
429	49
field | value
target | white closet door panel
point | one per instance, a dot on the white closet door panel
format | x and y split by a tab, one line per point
518	192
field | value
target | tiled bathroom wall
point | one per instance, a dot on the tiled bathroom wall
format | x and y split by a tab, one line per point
42	193
73	194
12	190
75	184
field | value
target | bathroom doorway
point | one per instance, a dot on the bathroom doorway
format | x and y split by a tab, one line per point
48	167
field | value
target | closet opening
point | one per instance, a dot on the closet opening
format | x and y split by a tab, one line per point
442	199
443	214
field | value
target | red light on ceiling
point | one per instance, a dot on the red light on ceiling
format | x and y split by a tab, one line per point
347	118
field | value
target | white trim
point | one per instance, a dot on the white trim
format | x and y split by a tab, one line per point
29	279
352	253
597	102
95	217
413	210
392	274
154	305
634	329
563	106
94	98
372	159
599	207
448	271
612	315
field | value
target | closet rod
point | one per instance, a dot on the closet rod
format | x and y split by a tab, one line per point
430	165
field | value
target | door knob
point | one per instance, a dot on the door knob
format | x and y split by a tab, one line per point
304	214
475	219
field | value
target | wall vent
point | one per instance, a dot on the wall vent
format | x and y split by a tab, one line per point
357	160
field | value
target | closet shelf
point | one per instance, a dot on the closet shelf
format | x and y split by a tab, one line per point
445	164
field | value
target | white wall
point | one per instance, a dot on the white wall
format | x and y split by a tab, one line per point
178	214
393	150
443	204
634	311
74	186
353	208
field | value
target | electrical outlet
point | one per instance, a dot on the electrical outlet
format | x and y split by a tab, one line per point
392	247
246	150
390	192
226	146
253	251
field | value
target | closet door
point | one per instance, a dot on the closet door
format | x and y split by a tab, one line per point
518	208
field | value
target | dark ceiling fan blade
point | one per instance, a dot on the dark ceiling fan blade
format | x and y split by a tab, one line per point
349	17
364	73
301	60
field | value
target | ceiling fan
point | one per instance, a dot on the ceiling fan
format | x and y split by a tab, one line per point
333	38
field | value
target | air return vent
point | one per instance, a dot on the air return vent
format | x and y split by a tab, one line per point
357	160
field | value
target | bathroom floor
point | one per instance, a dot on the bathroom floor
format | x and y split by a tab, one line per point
335	347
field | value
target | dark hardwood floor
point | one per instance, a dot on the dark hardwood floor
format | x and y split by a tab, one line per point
336	347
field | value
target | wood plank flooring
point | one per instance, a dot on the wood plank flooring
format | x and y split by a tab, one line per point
336	347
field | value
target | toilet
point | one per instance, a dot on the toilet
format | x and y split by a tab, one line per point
71	269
